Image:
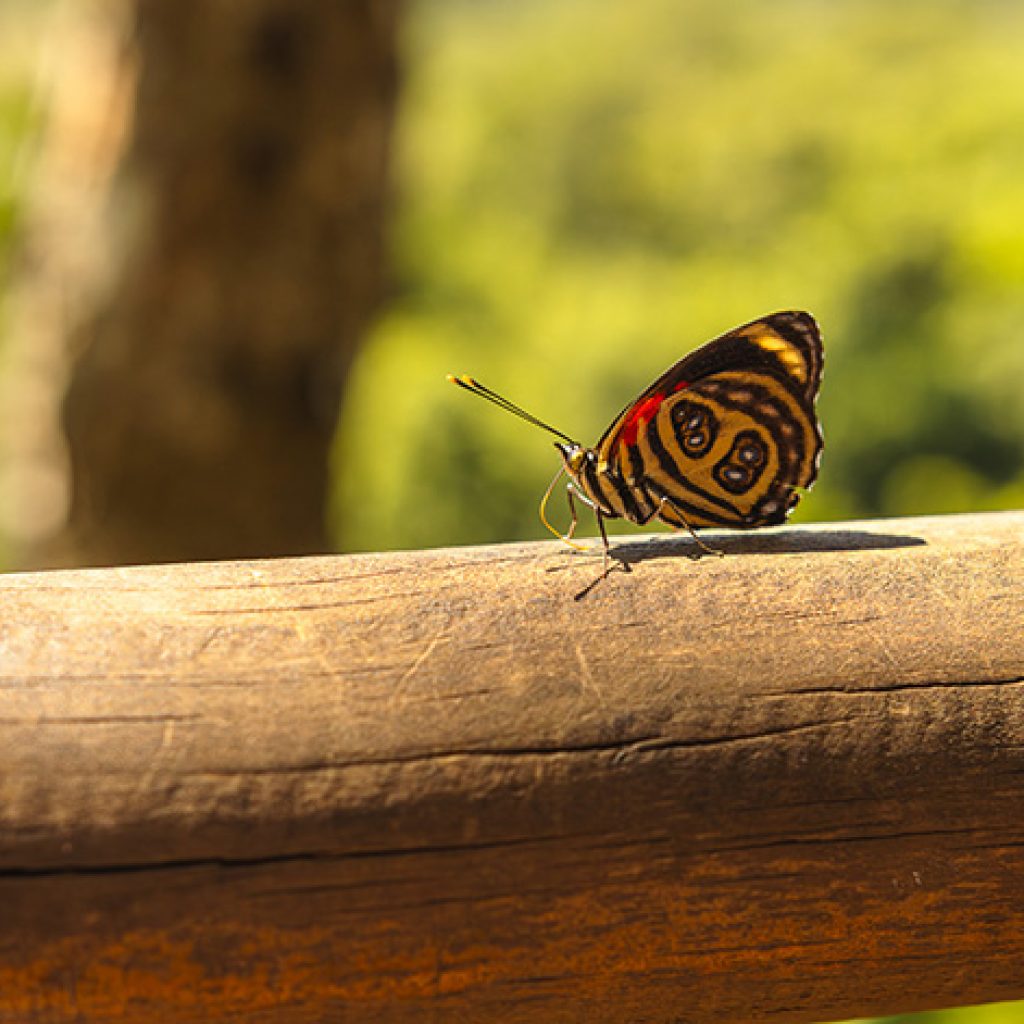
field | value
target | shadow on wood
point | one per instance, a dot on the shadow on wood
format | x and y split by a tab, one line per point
792	540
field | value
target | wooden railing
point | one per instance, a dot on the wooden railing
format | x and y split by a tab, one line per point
484	784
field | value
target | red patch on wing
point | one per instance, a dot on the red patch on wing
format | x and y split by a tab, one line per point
643	412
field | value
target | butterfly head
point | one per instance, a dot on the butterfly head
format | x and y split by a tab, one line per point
575	457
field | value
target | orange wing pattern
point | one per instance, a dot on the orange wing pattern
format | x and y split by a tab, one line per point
726	437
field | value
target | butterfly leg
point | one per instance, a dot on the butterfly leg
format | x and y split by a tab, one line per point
572	493
572	511
599	515
707	548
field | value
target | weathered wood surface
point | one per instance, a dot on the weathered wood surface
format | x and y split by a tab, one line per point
468	785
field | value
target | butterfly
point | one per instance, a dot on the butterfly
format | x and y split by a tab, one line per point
727	437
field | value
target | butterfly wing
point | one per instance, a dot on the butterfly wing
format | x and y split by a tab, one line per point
727	435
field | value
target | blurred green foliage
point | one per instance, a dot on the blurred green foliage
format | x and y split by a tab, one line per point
19	126
18	123
19	119
586	190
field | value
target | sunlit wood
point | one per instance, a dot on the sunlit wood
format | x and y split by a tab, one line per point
483	784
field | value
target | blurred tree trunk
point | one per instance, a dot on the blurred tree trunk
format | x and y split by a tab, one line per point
246	223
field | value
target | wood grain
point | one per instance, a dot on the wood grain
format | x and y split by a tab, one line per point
479	784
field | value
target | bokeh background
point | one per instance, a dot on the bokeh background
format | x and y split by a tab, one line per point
578	193
587	190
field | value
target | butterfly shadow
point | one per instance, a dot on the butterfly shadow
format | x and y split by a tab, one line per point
791	541
625	555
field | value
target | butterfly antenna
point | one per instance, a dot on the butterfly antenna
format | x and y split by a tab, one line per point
476	388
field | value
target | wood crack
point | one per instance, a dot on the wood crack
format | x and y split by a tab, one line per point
857	691
621	749
189	863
